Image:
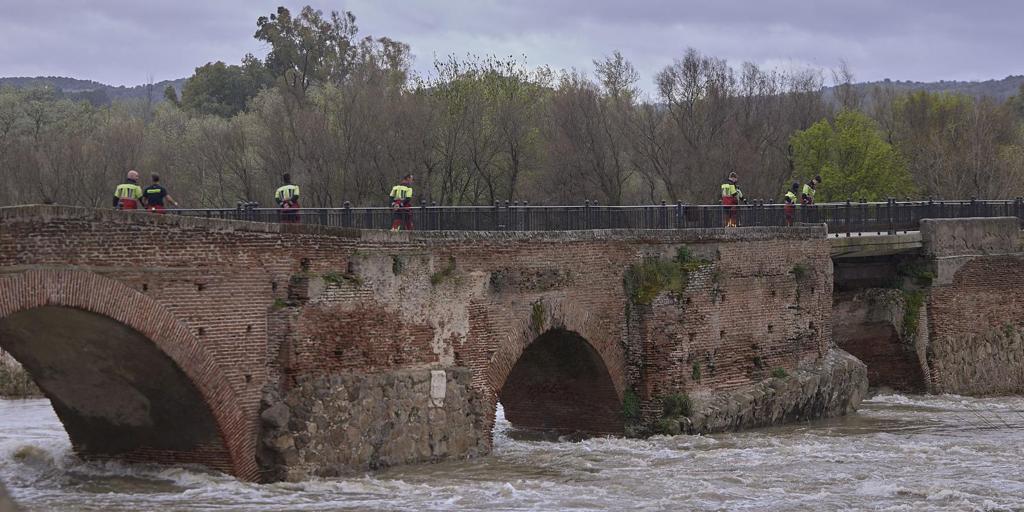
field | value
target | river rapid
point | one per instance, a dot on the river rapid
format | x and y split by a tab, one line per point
897	453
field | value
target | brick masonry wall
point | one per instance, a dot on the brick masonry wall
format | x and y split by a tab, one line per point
759	306
975	327
975	309
266	307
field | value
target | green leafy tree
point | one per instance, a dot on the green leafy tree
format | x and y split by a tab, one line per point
852	158
171	95
309	48
219	89
1016	104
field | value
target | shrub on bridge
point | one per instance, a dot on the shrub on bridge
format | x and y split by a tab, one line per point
643	282
676	405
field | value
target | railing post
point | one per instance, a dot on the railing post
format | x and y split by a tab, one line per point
346	214
586	214
679	214
974	207
891	206
847	220
1018	208
435	215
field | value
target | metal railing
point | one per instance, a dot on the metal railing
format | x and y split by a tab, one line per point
842	218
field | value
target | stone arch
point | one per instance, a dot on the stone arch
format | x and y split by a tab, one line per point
30	301
555	322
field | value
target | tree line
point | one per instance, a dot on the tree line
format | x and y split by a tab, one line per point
346	117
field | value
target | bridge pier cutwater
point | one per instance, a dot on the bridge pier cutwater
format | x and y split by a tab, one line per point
281	352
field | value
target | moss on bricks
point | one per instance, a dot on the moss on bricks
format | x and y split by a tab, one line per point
912	302
631	406
441	275
644	281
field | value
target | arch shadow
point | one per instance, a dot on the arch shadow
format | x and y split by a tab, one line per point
561	384
125	377
563	371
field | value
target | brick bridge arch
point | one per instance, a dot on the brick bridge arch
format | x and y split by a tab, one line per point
557	338
40	305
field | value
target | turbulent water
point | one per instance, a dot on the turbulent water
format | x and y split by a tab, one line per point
897	453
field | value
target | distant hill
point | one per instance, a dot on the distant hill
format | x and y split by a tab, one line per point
93	92
999	90
102	94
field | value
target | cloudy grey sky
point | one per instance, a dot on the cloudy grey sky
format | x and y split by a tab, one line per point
122	42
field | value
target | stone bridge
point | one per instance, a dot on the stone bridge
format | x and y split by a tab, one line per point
276	351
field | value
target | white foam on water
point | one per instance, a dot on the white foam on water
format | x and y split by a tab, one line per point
901	453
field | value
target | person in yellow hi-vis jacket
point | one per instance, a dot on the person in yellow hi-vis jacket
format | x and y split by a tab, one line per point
401	204
127	196
811	188
790	200
731	197
287	197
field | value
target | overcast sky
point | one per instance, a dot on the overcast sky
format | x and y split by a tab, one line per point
123	42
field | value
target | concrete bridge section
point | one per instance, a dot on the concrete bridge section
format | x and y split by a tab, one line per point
280	351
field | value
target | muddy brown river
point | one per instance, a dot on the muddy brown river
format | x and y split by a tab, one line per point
898	453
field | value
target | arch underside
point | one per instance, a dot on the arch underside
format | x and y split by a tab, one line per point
116	392
561	384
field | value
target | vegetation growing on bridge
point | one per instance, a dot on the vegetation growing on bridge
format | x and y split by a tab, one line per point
918	271
441	275
644	281
913	276
912	302
799	272
339	278
630	406
674	408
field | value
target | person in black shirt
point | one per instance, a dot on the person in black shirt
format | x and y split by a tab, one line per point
153	196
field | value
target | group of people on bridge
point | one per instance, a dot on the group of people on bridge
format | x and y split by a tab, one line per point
732	196
130	196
